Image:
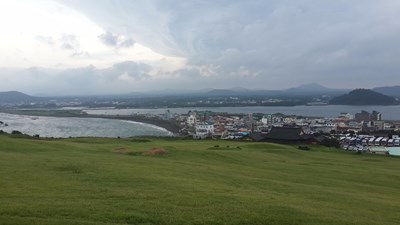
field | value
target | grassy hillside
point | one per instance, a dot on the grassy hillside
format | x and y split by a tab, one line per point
111	181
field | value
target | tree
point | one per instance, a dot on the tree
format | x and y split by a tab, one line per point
16	132
331	142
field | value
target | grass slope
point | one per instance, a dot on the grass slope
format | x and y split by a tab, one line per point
110	181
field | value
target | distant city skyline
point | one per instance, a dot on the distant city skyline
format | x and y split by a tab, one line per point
72	47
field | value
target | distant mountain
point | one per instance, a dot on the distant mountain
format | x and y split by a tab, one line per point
363	97
223	92
15	97
314	89
302	90
240	89
311	87
237	91
391	91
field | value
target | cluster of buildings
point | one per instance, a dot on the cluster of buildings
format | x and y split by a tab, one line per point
362	131
206	124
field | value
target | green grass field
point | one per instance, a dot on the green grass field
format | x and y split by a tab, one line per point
110	181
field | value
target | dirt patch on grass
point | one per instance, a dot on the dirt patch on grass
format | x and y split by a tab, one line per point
155	152
151	152
121	150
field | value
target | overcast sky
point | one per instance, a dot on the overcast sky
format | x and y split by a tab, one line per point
70	47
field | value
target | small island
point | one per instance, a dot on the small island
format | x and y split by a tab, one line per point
363	97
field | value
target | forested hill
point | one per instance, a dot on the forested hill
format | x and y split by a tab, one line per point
363	97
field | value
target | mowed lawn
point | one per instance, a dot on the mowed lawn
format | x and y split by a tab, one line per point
110	181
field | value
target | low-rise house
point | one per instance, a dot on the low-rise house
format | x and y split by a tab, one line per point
257	136
288	135
191	119
204	128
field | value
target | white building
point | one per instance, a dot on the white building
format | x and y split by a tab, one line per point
204	128
266	120
191	120
347	115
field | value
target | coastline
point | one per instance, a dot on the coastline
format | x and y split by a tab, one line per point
389	113
165	124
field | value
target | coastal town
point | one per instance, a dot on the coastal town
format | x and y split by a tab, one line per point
363	131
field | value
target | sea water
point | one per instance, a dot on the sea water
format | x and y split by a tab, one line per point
388	112
78	127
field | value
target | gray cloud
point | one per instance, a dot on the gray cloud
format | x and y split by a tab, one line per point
69	42
66	42
45	40
128	70
283	43
109	39
117	41
120	78
129	42
257	44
